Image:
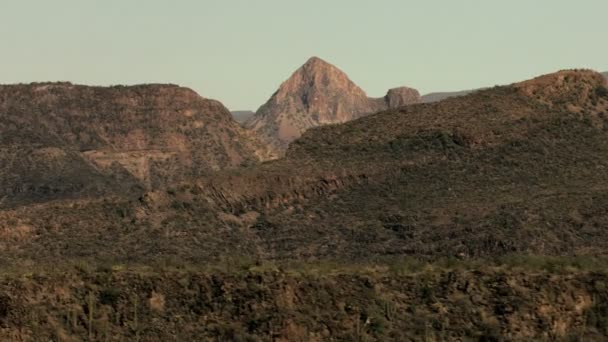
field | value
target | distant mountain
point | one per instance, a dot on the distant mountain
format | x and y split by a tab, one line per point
436	97
241	116
318	93
60	139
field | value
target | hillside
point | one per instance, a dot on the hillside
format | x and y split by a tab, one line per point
318	93
60	139
506	170
521	300
479	217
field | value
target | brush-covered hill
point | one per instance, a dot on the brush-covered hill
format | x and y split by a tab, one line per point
502	191
318	93
529	300
513	169
61	139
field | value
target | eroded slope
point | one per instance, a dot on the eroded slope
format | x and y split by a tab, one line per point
60	138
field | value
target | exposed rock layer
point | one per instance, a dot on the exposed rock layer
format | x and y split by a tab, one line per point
62	138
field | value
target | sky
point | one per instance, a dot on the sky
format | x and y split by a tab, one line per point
239	51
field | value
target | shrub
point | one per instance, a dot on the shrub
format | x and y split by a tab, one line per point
109	296
601	91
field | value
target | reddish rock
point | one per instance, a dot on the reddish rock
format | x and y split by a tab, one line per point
318	93
403	96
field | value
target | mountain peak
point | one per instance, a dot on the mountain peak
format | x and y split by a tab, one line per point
314	64
318	73
314	60
318	93
317	65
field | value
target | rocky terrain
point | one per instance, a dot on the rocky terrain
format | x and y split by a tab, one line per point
318	94
511	169
519	300
60	139
477	175
480	217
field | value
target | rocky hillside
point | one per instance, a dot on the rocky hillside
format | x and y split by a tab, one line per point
513	169
61	139
318	94
545	300
481	217
506	170
440	96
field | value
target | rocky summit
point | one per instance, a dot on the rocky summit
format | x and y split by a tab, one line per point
317	94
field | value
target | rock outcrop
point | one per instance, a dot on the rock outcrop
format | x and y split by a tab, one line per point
402	96
318	93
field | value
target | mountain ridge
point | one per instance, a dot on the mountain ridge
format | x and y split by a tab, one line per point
511	151
145	135
473	175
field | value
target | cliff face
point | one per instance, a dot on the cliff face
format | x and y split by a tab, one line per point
317	94
59	137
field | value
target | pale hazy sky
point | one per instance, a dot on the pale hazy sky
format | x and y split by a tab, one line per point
239	51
